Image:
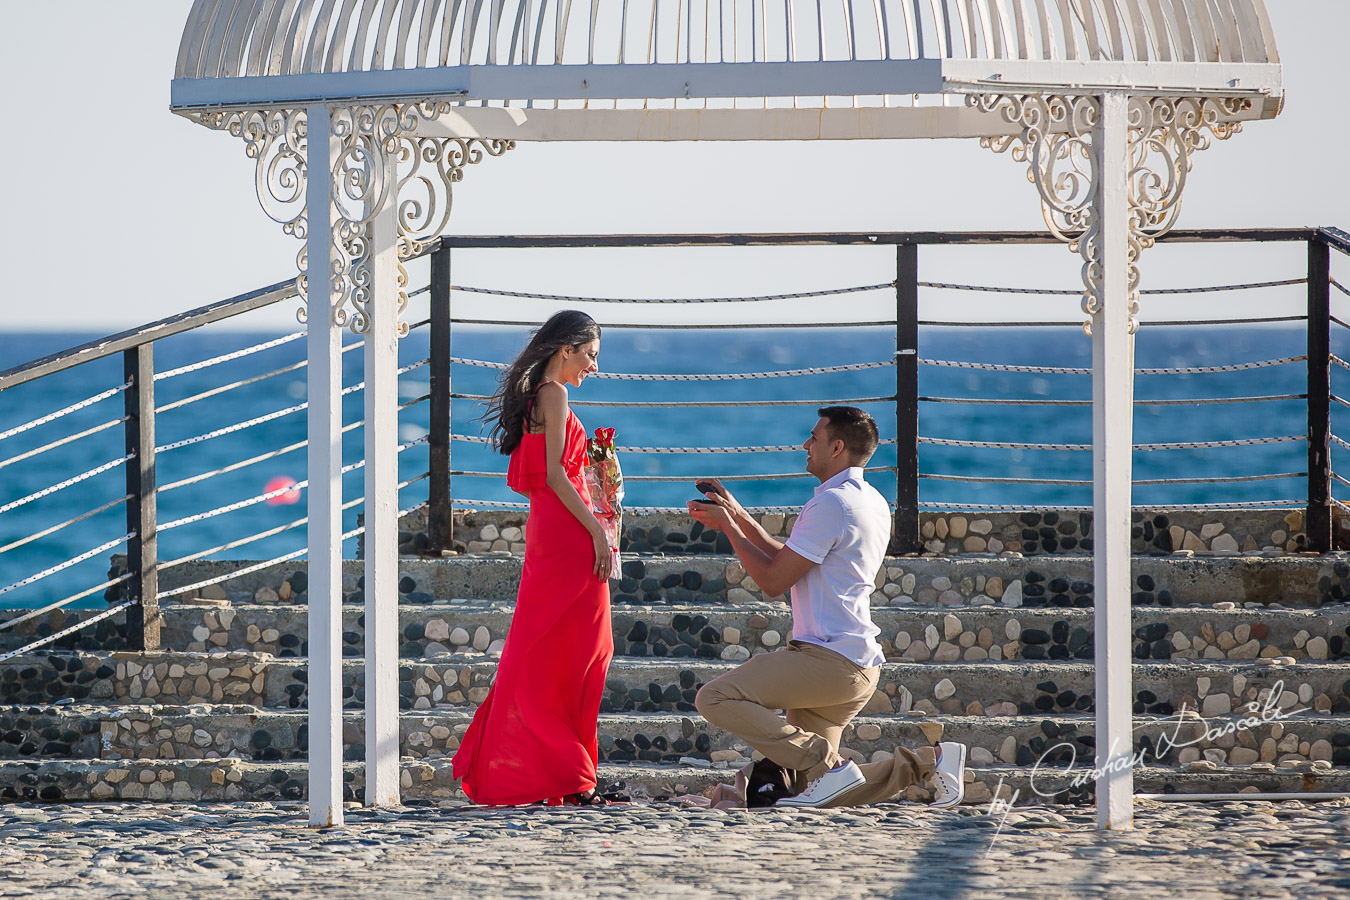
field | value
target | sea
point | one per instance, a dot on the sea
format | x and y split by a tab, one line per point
954	407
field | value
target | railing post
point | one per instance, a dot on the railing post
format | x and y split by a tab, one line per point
143	619
1317	526
440	526
906	538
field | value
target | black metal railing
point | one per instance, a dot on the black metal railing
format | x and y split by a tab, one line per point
137	587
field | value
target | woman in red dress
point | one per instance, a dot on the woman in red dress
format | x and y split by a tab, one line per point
534	737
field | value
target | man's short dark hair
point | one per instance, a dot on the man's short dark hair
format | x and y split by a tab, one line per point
854	427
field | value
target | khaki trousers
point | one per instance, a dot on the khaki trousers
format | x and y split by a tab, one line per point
821	692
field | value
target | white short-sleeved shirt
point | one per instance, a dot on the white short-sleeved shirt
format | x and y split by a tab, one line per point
845	528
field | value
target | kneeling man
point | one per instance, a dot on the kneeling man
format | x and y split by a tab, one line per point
829	669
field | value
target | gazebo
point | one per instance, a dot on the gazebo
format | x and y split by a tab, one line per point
362	114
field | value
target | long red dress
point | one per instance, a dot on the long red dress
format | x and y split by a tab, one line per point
534	737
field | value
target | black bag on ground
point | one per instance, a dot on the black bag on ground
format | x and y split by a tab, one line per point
768	783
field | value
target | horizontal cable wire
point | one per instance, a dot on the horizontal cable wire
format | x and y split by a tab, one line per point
271	532
1190	401
1004	507
1341	400
677	478
1255	320
1337	477
678	404
1339	322
993	479
41	642
783	448
1340	442
1068	292
55	528
1340	287
62	566
229	387
237	354
527	295
238	573
263	457
1003	367
193	479
729	376
668	326
65	411
269	417
351	467
1174	445
1223	479
231	507
231	429
287	557
1217	479
1064	370
889	285
37	451
32	614
60	486
1340	362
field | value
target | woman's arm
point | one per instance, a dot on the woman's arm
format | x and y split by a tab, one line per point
552	409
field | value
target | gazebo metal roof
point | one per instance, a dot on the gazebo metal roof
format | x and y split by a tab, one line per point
717	69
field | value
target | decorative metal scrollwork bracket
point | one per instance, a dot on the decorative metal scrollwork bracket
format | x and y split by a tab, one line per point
1056	143
424	171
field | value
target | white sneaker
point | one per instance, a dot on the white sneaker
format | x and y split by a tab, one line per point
949	778
827	787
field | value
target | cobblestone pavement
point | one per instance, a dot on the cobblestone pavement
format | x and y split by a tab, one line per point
264	850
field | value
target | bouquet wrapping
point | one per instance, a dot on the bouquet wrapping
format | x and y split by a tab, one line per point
604	479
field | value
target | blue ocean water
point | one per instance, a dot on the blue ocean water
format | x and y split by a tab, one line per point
639	351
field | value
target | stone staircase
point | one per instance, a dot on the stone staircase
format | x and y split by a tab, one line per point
988	639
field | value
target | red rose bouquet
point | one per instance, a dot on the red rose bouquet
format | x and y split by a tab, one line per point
604	479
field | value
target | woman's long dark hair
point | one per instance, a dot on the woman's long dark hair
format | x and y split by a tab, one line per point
506	410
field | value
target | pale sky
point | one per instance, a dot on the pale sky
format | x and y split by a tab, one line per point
120	213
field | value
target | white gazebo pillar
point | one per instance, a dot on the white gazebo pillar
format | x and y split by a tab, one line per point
324	342
381	504
1112	445
1110	170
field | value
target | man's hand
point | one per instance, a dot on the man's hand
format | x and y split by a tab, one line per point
711	515
721	496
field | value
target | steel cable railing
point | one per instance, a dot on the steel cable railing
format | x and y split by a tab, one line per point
191	513
53	529
62	485
62	566
61	442
78	626
229	357
722	376
65	411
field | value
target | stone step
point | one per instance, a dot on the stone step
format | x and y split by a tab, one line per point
736	632
431	781
1011	581
1030	532
246	732
664	684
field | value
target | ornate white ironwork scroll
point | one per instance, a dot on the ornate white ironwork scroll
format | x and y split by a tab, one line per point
371	137
1056	145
